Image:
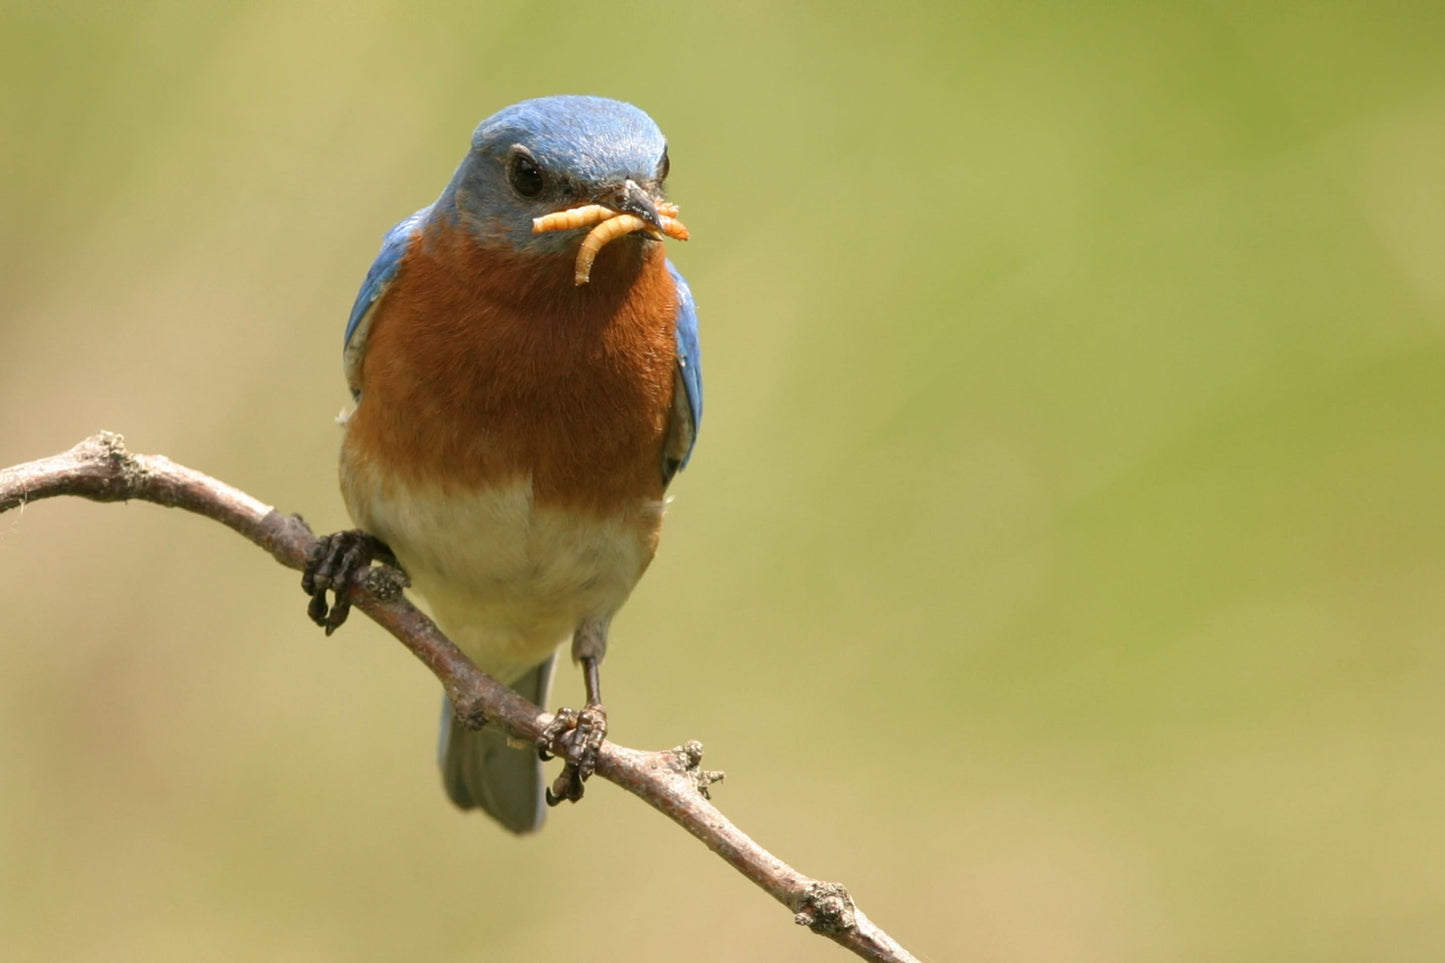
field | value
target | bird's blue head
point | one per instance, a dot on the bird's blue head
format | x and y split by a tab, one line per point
546	155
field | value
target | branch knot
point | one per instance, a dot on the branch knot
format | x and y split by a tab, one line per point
687	760
385	582
122	470
825	908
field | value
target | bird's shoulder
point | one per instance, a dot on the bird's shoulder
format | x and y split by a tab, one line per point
379	277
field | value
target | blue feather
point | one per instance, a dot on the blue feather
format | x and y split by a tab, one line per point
689	355
378	279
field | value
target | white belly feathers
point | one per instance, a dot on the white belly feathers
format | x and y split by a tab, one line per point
507	580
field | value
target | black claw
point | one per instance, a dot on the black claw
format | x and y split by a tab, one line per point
331	564
576	736
316	608
568	786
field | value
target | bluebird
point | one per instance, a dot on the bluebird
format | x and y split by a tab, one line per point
523	361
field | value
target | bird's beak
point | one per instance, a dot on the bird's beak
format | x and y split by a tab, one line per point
632	198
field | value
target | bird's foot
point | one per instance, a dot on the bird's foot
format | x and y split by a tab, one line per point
576	737
331	564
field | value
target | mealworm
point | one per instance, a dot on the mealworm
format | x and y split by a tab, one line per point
609	225
671	226
598	238
615	227
589	214
574	217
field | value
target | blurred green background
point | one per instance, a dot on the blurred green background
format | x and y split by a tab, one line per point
1062	565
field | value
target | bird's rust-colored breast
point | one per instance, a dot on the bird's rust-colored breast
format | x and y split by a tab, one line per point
483	366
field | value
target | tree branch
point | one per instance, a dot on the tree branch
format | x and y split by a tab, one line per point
672	782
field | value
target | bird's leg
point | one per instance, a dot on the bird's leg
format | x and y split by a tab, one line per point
331	564
579	734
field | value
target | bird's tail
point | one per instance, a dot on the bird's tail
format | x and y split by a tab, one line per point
480	770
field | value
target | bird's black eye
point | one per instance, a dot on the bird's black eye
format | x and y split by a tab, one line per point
524	173
663	166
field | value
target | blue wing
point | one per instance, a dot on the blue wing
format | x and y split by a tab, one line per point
383	270
687	402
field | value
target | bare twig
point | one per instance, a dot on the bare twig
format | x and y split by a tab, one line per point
672	782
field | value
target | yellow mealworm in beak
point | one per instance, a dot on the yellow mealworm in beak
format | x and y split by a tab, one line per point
613	228
673	228
573	217
610	225
589	214
609	230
